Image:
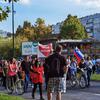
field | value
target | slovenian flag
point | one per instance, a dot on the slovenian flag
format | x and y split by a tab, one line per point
78	54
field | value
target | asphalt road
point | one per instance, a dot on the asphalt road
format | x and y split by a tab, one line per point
91	93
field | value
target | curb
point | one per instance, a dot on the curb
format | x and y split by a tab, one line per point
95	80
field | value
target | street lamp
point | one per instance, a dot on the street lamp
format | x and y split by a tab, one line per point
94	42
13	26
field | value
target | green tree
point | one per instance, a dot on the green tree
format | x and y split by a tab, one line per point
41	29
72	28
27	30
4	10
39	26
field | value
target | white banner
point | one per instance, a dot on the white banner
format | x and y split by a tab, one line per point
34	48
29	48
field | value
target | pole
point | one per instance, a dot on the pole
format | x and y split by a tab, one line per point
94	44
13	26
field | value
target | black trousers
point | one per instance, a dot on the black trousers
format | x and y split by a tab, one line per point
35	87
88	76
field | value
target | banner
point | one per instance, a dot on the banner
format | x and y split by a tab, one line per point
29	48
44	50
34	48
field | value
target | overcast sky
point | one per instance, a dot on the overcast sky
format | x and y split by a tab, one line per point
52	11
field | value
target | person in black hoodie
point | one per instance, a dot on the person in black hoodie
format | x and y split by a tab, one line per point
26	65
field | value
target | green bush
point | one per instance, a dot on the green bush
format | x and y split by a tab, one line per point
9	97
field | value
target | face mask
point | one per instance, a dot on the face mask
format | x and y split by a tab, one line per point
38	63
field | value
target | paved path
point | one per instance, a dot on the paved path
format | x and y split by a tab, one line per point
92	93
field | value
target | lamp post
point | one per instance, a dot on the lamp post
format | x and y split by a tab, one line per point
13	27
94	44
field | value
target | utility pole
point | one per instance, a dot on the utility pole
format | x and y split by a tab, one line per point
13	27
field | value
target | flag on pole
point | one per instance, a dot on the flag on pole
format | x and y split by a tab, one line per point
78	54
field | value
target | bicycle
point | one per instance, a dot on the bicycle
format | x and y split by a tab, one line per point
17	87
1	81
1	77
77	79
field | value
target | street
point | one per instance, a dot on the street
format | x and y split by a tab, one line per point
92	93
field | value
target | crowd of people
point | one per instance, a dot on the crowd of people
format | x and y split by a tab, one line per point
53	70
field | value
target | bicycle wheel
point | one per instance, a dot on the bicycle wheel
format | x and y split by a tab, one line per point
73	81
9	85
1	81
82	82
19	87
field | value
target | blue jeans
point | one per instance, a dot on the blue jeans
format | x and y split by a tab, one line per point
26	82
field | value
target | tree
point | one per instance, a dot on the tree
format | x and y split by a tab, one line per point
34	32
72	28
4	10
41	30
27	30
39	26
19	30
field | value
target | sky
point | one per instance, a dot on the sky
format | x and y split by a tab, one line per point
52	11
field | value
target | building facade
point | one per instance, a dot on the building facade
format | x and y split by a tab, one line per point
56	28
91	24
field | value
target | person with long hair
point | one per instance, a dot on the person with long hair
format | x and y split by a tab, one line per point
12	70
37	78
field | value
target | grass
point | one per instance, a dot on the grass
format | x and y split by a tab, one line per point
9	97
95	77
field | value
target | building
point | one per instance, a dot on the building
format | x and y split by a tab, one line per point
3	33
91	24
86	46
56	28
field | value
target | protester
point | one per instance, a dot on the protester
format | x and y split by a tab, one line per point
12	70
68	60
56	64
89	66
37	78
82	66
73	67
26	69
45	74
94	65
68	66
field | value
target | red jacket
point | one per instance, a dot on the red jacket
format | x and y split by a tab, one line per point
37	74
12	70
